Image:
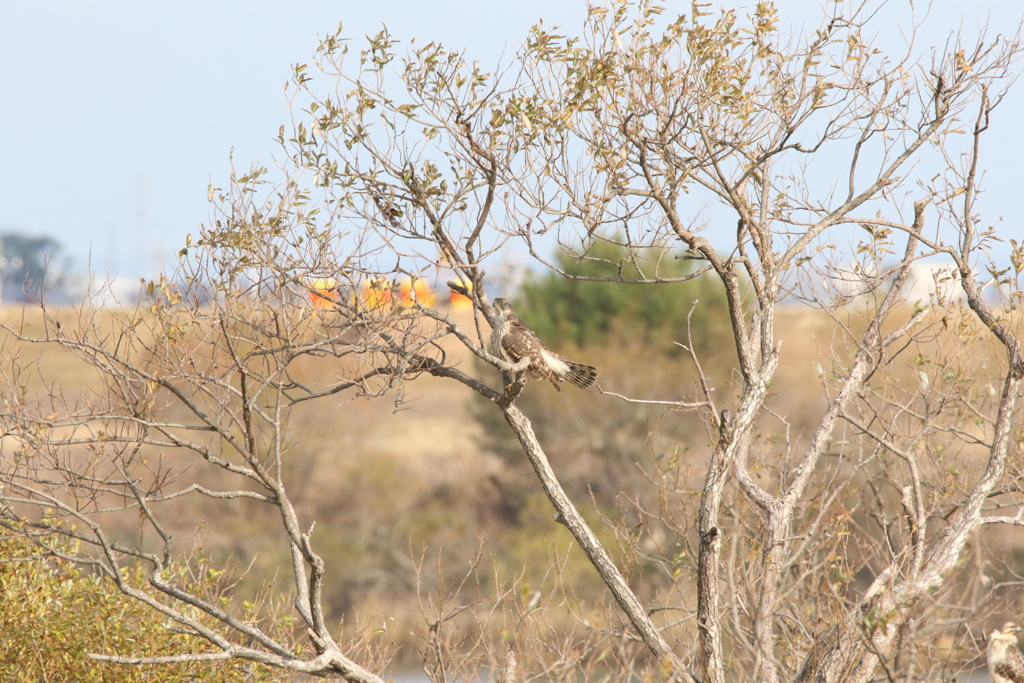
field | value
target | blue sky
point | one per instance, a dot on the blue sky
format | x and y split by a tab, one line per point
116	115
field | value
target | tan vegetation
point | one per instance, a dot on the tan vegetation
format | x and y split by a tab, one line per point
417	488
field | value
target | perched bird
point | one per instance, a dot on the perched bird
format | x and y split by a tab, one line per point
511	340
1005	662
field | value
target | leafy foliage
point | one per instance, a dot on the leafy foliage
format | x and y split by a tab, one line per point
55	615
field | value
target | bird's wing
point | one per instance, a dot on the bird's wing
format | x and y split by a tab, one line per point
1012	666
520	342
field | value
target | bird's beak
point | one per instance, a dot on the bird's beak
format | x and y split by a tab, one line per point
1017	629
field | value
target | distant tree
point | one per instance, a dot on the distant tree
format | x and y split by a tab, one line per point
30	266
836	551
594	297
593	302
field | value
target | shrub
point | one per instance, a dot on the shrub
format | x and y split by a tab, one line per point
565	311
54	615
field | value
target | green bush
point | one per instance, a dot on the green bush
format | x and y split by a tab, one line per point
54	615
565	311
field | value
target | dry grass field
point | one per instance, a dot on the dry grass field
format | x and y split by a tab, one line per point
405	492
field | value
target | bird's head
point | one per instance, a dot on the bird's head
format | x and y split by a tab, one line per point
503	307
1007	635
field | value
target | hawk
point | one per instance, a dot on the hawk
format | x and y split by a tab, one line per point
511	340
1005	662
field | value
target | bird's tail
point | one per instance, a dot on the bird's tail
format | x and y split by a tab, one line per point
581	375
